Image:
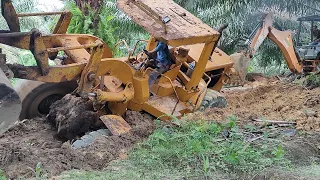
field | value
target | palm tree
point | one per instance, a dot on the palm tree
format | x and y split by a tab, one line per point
242	16
15	55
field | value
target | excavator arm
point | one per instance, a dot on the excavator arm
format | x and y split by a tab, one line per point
282	39
263	30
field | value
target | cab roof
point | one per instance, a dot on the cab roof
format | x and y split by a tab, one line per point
310	18
183	28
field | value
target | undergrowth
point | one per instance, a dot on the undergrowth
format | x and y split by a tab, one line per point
194	150
205	147
312	80
309	81
2	175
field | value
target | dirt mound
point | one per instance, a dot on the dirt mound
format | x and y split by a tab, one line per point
72	116
270	99
33	141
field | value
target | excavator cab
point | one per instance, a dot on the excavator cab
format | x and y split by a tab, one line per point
305	36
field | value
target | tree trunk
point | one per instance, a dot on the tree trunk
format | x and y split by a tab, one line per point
84	5
94	5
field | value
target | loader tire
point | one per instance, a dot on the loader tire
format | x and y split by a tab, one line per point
89	138
37	97
213	99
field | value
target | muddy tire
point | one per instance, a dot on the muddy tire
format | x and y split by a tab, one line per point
89	138
37	96
213	99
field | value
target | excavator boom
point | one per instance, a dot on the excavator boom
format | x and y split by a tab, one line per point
282	39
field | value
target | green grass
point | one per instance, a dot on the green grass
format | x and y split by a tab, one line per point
313	80
193	150
203	148
2	175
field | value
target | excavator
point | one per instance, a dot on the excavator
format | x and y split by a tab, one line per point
300	59
89	70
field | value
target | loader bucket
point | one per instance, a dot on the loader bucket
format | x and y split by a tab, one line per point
10	104
240	66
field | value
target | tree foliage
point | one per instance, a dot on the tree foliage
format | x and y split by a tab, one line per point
242	16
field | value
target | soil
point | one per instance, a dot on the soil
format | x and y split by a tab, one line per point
72	116
34	141
270	99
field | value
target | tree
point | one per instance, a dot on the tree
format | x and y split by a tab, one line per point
242	16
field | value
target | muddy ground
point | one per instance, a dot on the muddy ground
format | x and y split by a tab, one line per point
270	99
34	141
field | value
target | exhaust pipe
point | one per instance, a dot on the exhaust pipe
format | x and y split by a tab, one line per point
10	104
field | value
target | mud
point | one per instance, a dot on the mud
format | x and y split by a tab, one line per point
33	141
72	116
270	99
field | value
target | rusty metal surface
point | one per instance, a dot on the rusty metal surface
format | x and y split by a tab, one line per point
116	124
84	46
122	96
10	15
183	27
40	14
63	23
89	73
38	49
56	73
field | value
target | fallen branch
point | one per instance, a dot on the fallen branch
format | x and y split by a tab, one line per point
256	138
274	122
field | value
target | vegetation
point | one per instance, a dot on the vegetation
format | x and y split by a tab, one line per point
196	150
205	147
309	81
2	175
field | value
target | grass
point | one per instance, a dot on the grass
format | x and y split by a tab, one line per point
193	150
2	175
311	80
205	147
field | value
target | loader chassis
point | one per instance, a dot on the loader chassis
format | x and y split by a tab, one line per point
114	82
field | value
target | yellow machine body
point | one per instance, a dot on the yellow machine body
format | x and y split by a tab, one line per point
116	82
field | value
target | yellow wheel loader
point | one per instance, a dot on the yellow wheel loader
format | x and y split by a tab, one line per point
89	69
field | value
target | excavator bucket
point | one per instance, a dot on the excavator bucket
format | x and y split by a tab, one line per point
10	104
116	124
240	67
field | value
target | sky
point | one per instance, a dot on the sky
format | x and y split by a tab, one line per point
50	5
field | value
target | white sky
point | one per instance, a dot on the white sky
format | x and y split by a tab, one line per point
50	5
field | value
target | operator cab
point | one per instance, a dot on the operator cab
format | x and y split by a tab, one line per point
305	36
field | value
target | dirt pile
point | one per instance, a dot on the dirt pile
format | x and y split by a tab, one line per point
33	141
270	99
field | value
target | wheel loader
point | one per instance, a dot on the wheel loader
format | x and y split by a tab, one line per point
89	70
300	59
